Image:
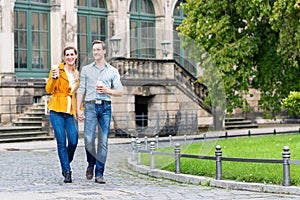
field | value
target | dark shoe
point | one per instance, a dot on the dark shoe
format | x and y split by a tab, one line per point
89	173
68	177
99	179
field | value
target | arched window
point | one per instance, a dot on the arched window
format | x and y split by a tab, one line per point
31	38
92	25
181	55
142	29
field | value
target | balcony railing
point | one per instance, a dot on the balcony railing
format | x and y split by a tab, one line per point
137	72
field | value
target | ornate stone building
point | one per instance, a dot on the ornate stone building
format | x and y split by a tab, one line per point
142	43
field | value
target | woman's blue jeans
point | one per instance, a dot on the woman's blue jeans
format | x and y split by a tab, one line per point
96	115
65	128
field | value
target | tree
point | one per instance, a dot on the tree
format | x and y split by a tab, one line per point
254	44
292	103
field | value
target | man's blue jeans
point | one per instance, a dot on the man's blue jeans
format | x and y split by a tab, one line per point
65	128
96	114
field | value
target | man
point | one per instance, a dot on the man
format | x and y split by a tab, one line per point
98	82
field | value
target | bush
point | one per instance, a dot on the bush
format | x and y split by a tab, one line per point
292	103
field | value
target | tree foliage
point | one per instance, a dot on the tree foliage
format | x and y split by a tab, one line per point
292	103
253	44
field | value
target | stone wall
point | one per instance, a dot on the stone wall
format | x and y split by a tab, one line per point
162	100
17	95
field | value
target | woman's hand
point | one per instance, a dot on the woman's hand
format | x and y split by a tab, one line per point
80	115
55	71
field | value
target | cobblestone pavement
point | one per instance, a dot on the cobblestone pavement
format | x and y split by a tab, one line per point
35	174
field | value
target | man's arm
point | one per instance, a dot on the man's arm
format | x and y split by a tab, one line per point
114	93
80	95
80	113
117	89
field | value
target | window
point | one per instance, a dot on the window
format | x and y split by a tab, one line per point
181	55
92	25
31	38
142	29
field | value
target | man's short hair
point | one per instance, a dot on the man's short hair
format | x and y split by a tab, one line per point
99	42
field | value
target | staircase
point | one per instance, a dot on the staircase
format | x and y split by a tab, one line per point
28	127
239	123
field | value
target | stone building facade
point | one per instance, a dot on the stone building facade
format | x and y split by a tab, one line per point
33	34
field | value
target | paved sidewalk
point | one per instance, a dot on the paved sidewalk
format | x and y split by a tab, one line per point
210	134
31	171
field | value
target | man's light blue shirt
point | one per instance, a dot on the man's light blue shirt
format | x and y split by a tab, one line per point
90	74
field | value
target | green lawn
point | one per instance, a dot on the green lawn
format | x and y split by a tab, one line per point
268	147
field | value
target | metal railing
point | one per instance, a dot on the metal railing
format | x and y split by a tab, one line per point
159	123
137	149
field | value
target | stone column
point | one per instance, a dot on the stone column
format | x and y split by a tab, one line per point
56	27
69	10
164	25
7	70
121	20
6	39
63	28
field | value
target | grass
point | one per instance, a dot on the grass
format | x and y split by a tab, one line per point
263	147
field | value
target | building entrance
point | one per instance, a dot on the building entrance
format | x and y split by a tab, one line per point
141	110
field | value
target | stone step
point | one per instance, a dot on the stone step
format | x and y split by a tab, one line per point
26	139
39	105
27	123
28	118
238	122
28	113
38	110
23	134
231	119
11	129
241	126
27	127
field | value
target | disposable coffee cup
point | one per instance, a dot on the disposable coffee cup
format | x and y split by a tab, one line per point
55	71
100	83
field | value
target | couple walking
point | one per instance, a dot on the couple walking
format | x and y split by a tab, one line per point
94	86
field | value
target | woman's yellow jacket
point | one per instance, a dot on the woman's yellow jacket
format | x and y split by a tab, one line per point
60	90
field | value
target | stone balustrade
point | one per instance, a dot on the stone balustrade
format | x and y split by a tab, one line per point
159	72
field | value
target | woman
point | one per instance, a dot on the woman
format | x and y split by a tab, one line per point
62	84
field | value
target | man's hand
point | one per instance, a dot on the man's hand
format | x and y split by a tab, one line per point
101	89
80	115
